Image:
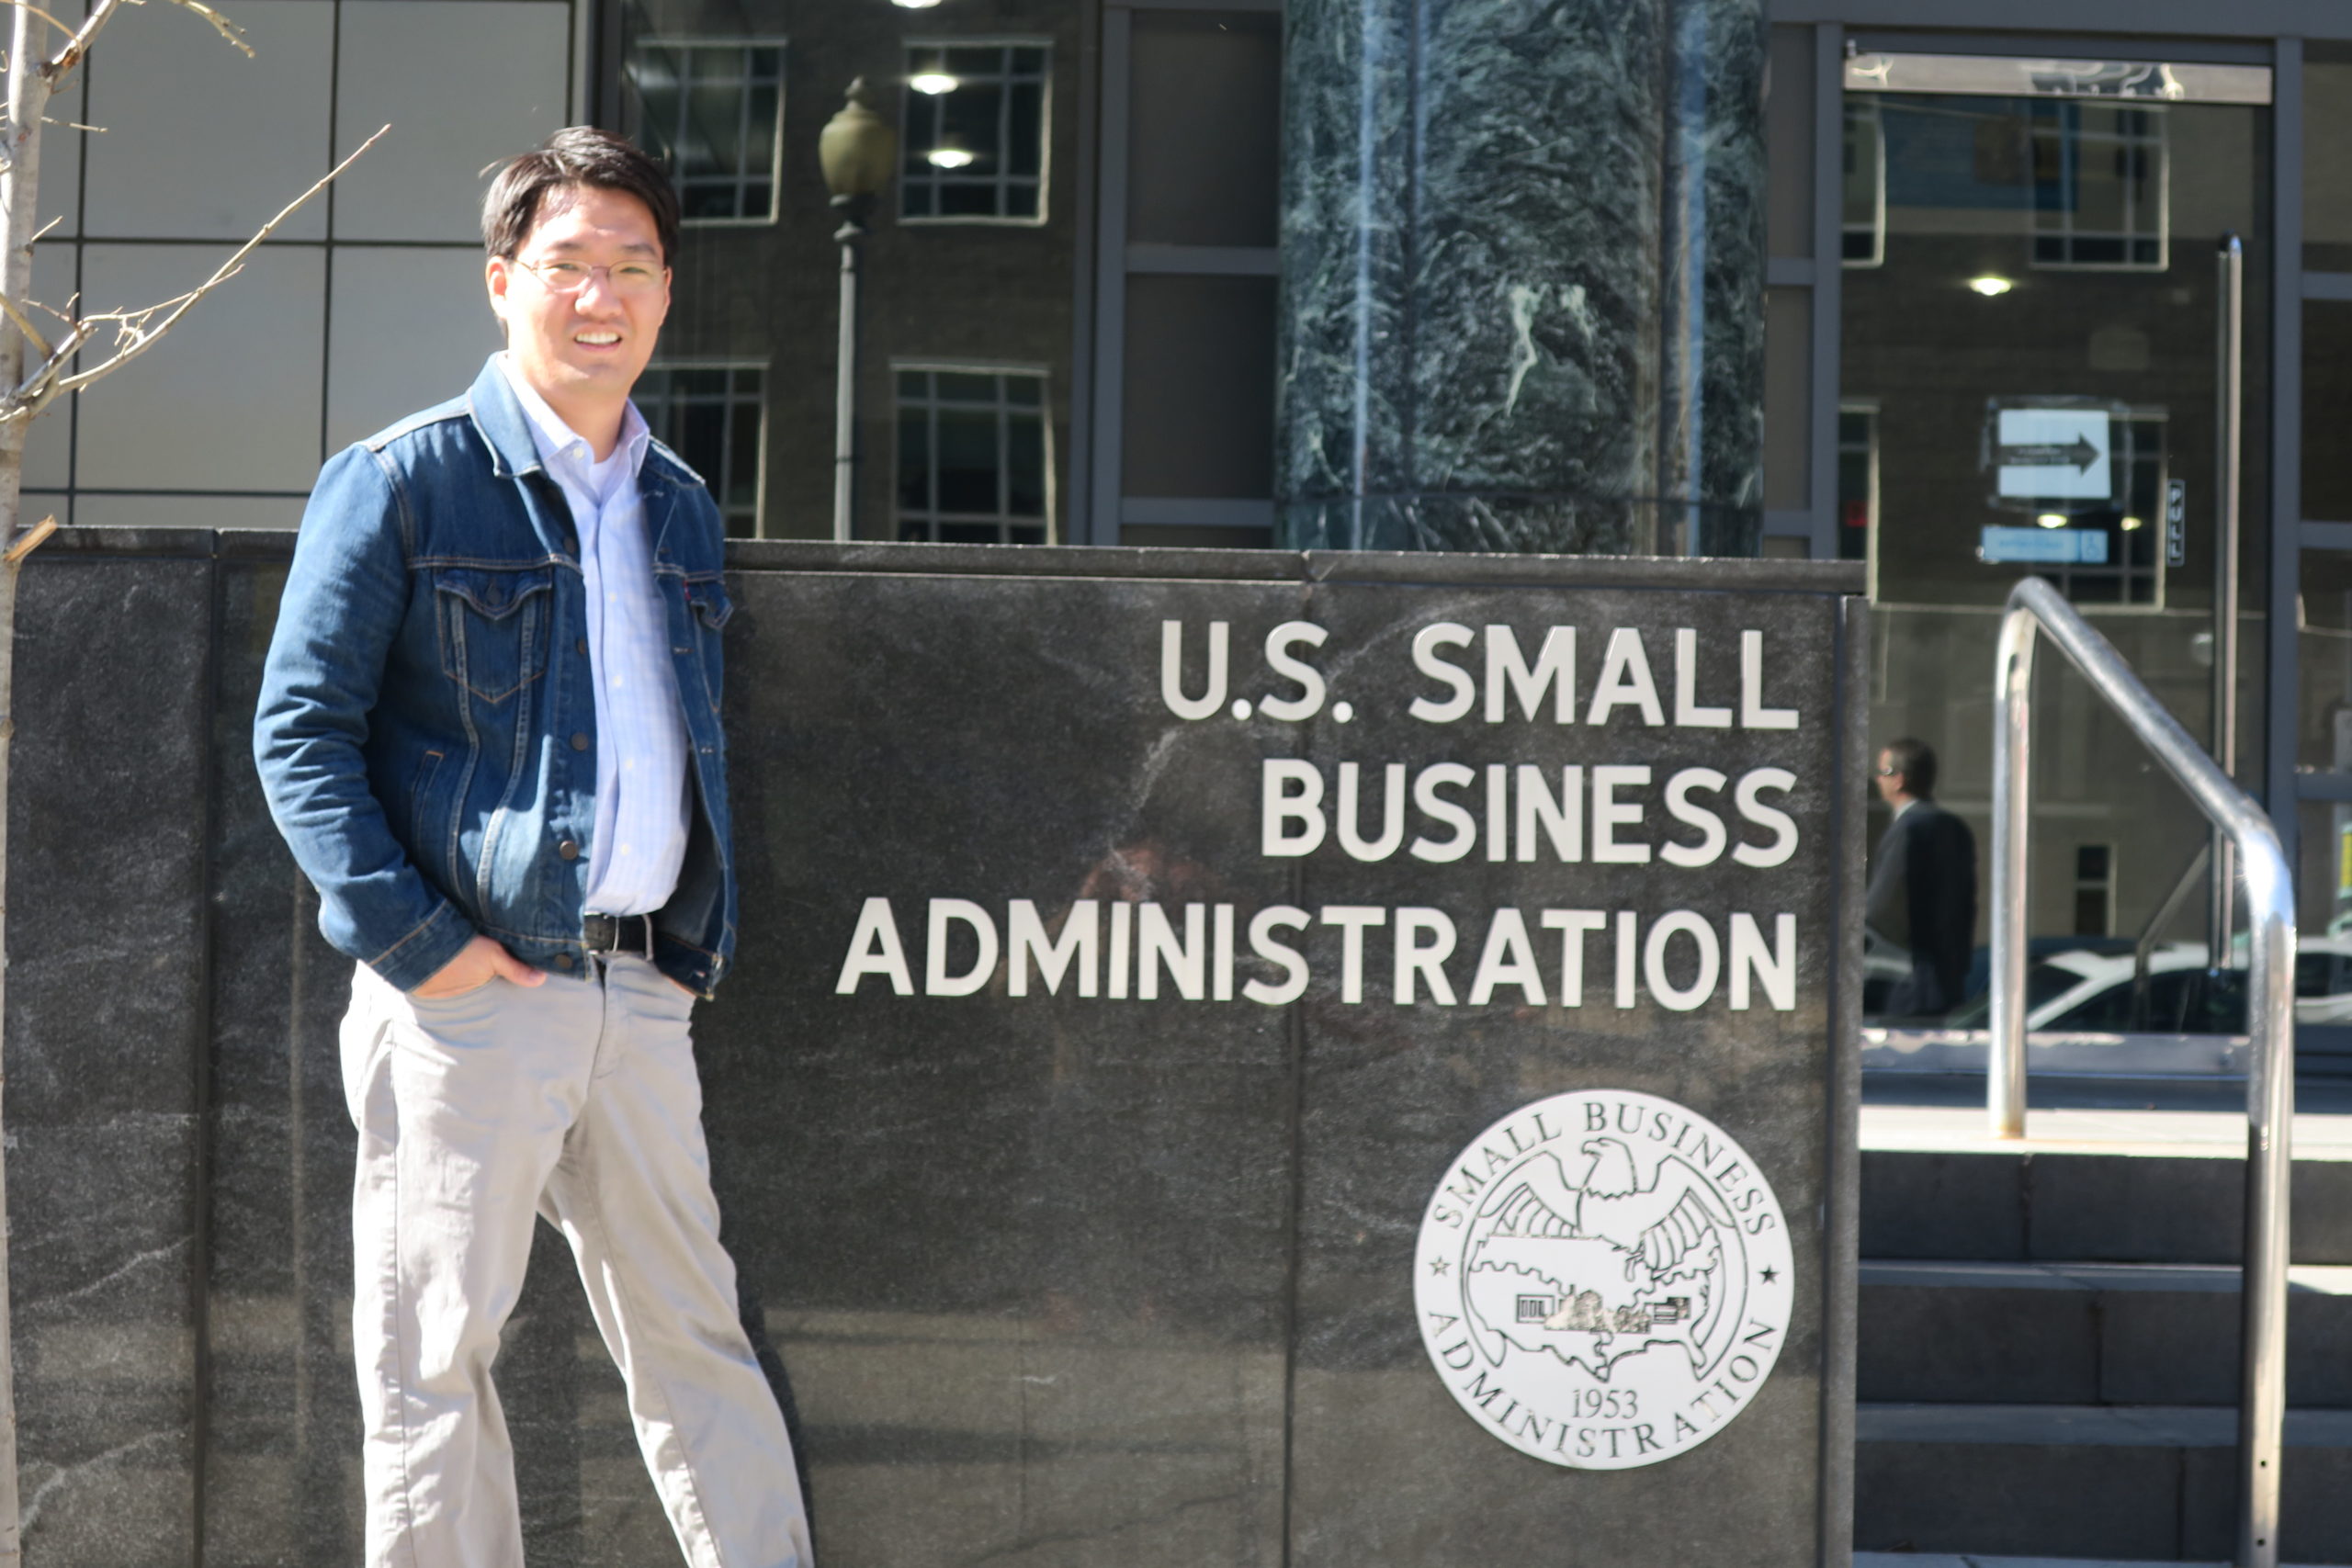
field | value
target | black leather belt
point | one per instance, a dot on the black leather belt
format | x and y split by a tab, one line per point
632	934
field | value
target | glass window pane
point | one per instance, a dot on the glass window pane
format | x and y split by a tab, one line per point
503	90
965	388
914	459
1788	397
1026	481
2323	636
2327	163
1199	404
2324	913
2328	408
968	201
1787	135
967	469
1024	149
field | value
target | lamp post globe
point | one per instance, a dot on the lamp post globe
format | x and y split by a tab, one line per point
857	150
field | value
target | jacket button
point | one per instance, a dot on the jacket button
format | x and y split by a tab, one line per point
580	645
580	741
568	850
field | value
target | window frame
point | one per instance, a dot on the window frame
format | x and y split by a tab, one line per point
776	41
759	444
1041	373
907	96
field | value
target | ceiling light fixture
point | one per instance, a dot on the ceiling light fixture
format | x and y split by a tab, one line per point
950	157
1991	286
2052	520
931	83
2130	525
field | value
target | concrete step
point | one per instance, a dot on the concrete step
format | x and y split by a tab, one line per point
1978	1560
2089	1185
1976	1333
2154	1483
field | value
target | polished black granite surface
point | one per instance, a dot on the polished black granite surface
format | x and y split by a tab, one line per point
1059	1280
1523	276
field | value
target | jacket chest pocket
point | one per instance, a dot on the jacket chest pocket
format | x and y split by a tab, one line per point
494	626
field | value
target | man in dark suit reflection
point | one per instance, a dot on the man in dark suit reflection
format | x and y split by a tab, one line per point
1922	897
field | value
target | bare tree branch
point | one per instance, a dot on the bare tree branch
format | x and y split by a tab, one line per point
44	16
24	325
136	331
220	24
61	66
28	541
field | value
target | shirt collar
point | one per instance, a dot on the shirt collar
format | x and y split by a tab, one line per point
557	442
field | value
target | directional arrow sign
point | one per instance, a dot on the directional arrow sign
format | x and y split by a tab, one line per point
2054	454
2082	454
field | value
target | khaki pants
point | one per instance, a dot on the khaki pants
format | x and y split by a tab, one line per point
576	1099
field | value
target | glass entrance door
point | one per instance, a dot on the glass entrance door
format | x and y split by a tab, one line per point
2032	379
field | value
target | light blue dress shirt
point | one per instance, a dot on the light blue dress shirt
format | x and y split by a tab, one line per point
642	804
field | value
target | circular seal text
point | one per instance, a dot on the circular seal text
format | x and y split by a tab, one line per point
1603	1280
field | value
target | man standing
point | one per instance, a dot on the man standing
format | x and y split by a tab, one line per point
489	731
1922	895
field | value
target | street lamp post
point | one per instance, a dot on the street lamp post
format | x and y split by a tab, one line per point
858	150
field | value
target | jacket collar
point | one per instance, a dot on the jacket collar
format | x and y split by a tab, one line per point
505	429
498	415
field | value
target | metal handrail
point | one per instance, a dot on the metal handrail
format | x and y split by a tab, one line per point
2034	606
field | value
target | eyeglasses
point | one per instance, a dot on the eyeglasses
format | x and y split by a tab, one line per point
1890	773
629	279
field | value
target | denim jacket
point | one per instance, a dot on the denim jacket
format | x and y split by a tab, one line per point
426	732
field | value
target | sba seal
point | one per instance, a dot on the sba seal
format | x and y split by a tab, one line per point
1603	1280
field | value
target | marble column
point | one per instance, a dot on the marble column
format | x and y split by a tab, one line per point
1522	292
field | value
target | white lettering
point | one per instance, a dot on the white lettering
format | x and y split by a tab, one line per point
1784	843
874	949
1352	919
1508	959
1426	644
936	980
1026	939
1391	813
1435	778
1279	642
1681	998
1289	791
1679	805
1171	670
1608	816
1556	666
1776	971
1687	714
1262	927
1574	926
1753	713
1625	678
1562	820
1416	957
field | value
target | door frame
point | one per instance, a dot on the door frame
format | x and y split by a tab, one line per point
2270	32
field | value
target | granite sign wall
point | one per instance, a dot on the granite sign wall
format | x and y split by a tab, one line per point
1238	1058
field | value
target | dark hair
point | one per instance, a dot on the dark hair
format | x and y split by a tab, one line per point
576	155
1916	761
